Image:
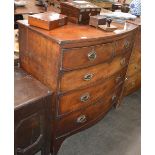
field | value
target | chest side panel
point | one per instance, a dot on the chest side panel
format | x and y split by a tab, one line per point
41	58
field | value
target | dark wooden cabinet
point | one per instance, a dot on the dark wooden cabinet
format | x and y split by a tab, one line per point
32	117
84	66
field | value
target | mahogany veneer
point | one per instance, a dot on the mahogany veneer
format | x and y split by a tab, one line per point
85	67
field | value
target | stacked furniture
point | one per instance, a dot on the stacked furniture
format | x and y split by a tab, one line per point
32	115
133	77
84	66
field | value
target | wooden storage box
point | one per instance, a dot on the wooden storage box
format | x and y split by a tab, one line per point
47	20
97	20
32	116
79	11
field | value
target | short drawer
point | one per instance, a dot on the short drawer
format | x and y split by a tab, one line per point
124	45
83	77
86	56
77	120
81	98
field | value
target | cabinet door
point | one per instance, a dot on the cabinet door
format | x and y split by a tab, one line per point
31	128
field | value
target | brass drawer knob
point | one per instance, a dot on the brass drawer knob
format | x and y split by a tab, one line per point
81	119
88	77
92	55
126	44
123	62
85	97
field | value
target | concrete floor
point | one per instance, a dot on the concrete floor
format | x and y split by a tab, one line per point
119	133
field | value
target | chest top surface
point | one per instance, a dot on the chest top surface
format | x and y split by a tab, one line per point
137	21
27	89
73	33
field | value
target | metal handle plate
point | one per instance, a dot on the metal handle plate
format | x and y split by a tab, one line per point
123	62
88	77
92	55
85	97
81	119
126	44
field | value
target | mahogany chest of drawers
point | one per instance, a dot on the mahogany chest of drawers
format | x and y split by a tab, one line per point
32	117
85	67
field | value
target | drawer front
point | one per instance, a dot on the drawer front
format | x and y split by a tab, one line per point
124	45
132	83
80	119
135	57
81	98
86	56
133	68
83	77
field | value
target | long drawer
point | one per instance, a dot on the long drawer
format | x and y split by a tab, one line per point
84	77
124	45
81	98
86	56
